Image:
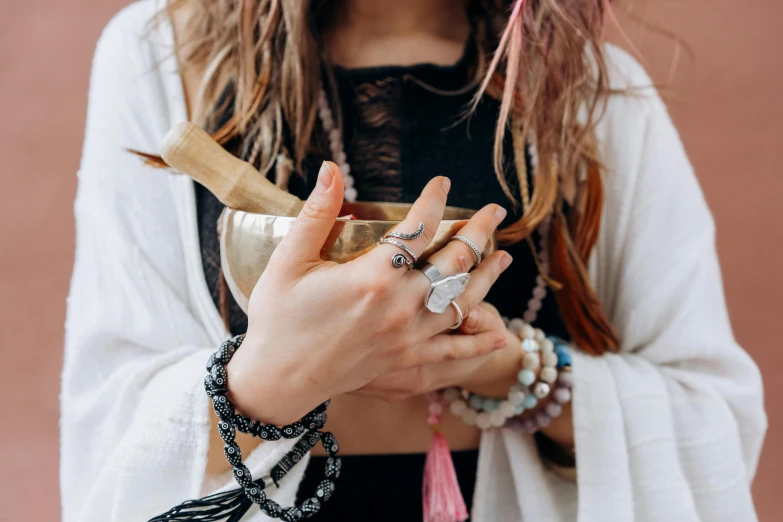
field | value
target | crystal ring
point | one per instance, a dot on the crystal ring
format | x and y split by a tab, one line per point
443	290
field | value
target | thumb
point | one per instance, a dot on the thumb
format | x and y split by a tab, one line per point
483	318
316	219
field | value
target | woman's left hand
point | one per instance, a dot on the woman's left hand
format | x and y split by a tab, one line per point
491	375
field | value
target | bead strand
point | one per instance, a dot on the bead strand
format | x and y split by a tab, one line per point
560	396
486	412
216	387
554	380
535	303
336	146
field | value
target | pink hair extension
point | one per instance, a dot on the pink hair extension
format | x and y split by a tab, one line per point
514	21
510	47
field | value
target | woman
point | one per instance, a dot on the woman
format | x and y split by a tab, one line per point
430	101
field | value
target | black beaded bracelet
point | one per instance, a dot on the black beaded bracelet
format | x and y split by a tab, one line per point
215	386
222	505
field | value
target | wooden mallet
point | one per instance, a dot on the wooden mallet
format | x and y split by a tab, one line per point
236	183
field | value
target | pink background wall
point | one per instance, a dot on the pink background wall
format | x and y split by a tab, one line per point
726	103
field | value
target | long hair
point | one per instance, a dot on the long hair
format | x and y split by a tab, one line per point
548	71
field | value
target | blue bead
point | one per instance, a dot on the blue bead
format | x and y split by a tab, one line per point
530	402
527	377
476	402
491	405
519	409
564	361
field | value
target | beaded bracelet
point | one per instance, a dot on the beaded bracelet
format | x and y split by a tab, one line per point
215	384
485	412
560	396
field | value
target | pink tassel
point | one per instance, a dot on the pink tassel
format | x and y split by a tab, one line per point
441	495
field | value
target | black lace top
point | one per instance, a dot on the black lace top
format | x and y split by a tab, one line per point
403	126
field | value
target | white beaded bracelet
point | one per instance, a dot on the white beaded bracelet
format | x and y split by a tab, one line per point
487	413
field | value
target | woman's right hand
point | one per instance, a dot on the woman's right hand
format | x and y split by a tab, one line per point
318	328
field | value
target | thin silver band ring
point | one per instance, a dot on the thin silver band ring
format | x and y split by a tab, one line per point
476	251
460	318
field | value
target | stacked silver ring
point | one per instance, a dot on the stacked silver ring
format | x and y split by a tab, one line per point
442	289
400	260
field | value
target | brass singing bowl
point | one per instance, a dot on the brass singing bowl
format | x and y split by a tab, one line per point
247	240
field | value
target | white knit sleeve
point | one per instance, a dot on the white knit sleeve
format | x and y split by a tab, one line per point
671	428
134	425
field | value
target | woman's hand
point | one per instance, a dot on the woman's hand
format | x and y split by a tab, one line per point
318	329
490	374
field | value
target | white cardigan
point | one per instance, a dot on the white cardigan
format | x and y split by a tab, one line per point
668	430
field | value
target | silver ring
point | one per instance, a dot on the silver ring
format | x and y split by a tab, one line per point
442	290
432	272
459	316
476	251
404	247
400	235
400	260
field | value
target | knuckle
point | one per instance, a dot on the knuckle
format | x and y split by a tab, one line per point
399	320
376	288
401	354
389	397
467	306
428	234
312	210
464	262
421	383
451	352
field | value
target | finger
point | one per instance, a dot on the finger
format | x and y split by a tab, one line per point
407	382
316	219
457	257
444	347
483	318
482	279
428	209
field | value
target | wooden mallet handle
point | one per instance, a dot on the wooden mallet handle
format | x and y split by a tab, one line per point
236	183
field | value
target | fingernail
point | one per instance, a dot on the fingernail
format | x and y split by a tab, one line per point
325	176
473	318
446	182
506	260
500	213
501	342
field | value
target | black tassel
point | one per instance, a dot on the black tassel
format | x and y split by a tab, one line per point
229	506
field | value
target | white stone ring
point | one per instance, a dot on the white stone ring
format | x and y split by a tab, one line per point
443	289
